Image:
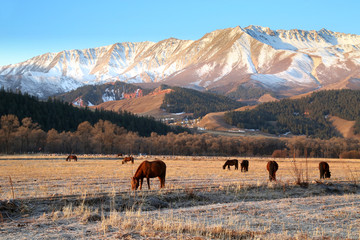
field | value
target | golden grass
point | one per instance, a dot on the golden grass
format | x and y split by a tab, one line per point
42	176
272	211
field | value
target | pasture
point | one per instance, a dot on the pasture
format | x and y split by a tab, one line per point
43	196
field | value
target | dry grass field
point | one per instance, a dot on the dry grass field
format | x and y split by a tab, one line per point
45	197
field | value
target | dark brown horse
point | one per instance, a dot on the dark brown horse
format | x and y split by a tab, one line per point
128	159
233	162
119	155
244	165
71	157
324	170
272	167
149	170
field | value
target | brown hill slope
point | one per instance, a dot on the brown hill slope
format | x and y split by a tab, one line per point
215	121
148	105
345	127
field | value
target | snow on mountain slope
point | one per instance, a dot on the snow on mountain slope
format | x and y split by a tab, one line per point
284	61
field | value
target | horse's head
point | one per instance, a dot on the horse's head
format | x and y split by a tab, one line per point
327	174
134	183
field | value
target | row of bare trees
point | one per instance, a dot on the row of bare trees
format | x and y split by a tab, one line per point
107	138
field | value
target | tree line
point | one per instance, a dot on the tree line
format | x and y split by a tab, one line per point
104	137
306	116
62	116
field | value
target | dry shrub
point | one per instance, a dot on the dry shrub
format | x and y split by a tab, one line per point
280	153
350	154
298	173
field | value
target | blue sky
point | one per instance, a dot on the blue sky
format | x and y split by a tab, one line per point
30	28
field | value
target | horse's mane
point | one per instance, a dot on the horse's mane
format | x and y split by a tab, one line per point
139	168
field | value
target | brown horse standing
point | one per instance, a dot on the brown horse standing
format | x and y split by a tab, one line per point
244	165
272	167
149	170
324	170
233	162
71	157
128	159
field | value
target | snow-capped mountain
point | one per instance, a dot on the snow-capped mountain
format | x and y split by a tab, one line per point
285	61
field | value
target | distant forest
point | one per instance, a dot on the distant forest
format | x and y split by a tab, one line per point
306	116
104	137
198	103
62	116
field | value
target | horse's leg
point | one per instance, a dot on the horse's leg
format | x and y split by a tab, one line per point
162	182
148	181
160	179
141	182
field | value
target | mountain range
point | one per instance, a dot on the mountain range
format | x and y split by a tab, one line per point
226	61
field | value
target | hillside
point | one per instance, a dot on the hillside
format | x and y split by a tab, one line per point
244	63
305	116
344	127
166	101
146	106
65	117
198	103
91	95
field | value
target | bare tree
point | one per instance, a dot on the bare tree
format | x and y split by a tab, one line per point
9	126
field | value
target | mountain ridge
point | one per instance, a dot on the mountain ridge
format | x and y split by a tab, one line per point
287	62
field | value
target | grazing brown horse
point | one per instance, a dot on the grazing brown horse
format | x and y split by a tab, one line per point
272	167
149	170
119	155
71	157
128	159
229	163
324	170
244	165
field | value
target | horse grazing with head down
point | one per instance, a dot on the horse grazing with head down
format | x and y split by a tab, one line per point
324	170
272	167
233	162
244	165
71	157
128	159
149	170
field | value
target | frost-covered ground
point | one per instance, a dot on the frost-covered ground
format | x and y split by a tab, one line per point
201	200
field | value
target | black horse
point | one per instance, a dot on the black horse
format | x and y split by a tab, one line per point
324	170
244	165
272	167
233	162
